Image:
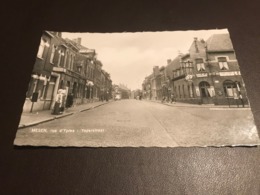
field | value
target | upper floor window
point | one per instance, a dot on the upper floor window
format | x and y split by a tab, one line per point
52	53
42	46
223	65
200	65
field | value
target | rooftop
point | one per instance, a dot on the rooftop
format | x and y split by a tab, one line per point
219	42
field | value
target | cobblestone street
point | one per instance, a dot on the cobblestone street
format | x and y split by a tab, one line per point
136	123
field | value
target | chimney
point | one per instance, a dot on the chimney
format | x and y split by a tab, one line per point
156	70
196	44
77	41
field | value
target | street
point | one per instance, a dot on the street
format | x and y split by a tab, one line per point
137	123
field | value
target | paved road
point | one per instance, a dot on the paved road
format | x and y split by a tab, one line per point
143	123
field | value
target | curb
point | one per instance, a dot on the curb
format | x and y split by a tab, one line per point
199	106
56	117
92	107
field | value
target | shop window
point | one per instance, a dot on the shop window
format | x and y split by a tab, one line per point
223	65
200	65
230	88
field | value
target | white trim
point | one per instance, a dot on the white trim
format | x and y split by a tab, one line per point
222	56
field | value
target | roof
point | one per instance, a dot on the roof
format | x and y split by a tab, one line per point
219	42
175	64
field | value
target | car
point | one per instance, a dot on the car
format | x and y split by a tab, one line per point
117	97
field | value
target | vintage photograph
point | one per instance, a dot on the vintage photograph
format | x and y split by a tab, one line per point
141	89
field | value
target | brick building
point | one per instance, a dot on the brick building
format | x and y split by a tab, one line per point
44	82
63	64
209	73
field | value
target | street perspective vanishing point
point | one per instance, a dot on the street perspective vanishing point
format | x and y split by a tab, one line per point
142	89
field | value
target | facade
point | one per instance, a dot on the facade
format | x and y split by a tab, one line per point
64	64
208	74
43	83
122	91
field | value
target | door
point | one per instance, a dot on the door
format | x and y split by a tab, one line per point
204	91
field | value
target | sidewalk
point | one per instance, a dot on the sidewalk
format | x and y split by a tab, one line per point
31	119
180	104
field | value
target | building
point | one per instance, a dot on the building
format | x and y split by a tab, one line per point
43	82
64	64
209	73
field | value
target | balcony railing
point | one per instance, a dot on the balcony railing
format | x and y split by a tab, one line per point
182	72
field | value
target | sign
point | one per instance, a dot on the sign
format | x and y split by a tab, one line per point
59	69
202	75
232	73
189	77
211	91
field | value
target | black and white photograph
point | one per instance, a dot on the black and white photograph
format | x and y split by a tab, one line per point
141	89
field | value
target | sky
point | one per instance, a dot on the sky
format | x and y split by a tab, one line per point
130	57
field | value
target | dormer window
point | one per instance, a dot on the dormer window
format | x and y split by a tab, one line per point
200	65
223	65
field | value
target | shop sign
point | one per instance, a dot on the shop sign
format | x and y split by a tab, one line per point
202	75
59	69
211	91
232	73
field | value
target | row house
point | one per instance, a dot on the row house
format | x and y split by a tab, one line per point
62	64
209	73
156	86
44	82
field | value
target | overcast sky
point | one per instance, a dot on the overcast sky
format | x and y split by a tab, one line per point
130	57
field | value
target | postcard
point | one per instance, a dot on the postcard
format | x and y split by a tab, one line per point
142	89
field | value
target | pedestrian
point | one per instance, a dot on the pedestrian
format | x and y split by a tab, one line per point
241	99
173	98
63	101
236	98
69	101
58	101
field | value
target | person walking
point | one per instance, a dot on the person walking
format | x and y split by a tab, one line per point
69	101
173	98
58	101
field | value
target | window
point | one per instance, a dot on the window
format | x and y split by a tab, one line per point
223	65
200	65
52	53
230	88
59	58
41	48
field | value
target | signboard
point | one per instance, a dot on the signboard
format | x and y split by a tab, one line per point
189	77
232	73
59	69
202	75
